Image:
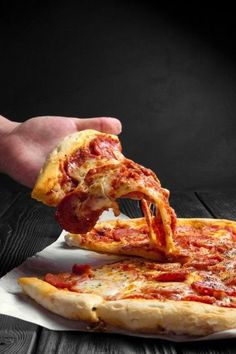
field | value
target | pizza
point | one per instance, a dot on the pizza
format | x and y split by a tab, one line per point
198	240
174	276
87	173
143	296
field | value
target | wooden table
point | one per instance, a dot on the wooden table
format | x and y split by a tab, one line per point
27	227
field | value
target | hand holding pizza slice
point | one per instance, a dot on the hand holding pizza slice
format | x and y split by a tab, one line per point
87	173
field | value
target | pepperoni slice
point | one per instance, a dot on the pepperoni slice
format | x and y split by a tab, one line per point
209	288
104	146
231	281
201	265
67	210
129	234
61	280
197	298
82	269
169	276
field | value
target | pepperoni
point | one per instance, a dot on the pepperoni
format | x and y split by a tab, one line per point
67	217
127	234
163	266
101	146
128	267
82	269
104	146
209	288
61	280
201	265
231	281
169	276
197	298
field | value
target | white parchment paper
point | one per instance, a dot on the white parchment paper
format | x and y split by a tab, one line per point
58	257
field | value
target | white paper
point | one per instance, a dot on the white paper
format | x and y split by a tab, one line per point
58	257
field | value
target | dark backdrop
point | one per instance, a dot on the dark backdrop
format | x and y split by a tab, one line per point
167	72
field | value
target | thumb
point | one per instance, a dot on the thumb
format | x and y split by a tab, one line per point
103	124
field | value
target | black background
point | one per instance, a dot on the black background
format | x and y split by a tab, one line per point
168	72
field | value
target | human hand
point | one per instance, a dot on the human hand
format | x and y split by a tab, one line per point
25	146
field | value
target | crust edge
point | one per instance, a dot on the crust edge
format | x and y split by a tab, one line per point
170	317
67	304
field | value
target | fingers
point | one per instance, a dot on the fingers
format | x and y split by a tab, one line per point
103	124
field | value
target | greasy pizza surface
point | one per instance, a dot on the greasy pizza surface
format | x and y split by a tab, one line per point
143	296
87	173
135	278
199	241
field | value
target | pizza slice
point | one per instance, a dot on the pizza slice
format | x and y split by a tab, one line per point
143	296
198	240
87	173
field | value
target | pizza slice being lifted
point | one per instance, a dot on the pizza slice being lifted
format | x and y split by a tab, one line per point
86	174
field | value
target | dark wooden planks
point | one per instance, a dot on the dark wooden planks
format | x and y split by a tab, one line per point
95	343
8	193
17	336
25	228
187	205
227	346
222	204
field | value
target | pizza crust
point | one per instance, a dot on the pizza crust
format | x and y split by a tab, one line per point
65	303
167	317
136	315
200	222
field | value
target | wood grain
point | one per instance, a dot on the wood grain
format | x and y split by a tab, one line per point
187	205
222	204
94	343
226	346
17	336
26	228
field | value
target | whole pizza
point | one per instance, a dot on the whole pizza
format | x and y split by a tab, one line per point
175	275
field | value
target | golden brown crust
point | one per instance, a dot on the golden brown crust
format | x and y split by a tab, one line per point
65	303
48	188
201	222
176	317
137	315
